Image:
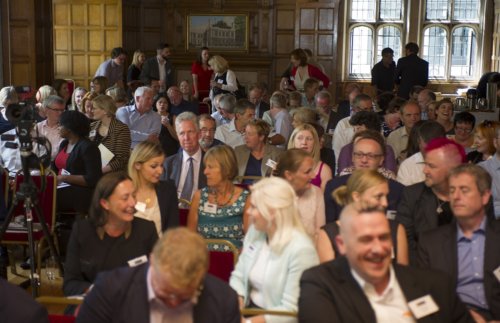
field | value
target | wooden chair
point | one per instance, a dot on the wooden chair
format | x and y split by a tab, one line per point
47	202
258	311
239	181
222	263
48	301
183	211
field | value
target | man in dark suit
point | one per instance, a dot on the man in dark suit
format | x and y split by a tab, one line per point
178	104
364	285
411	70
177	167
151	68
425	205
255	94
16	305
346	106
173	287
468	250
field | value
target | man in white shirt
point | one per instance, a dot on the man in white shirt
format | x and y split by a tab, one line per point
282	119
232	133
398	139
365	286
53	106
344	131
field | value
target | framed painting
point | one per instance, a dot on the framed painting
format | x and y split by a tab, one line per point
223	32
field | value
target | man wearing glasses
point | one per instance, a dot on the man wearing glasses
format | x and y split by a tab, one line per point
207	132
53	106
173	287
368	153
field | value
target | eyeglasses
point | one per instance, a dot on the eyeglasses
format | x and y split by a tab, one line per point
464	130
370	156
56	110
207	130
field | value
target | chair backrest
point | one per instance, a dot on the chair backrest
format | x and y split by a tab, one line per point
183	211
4	186
48	301
46	197
71	86
222	263
203	108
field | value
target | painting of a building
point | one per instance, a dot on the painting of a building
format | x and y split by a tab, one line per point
217	32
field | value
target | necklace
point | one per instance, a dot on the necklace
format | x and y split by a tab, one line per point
439	209
214	192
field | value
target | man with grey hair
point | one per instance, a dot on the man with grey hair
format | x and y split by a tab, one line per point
186	167
281	117
178	104
425	97
53	106
207	127
217	113
232	133
143	122
8	96
227	102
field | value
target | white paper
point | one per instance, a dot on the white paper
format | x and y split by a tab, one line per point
63	184
106	155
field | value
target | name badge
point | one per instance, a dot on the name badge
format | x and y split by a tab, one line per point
391	214
137	261
92	134
292	78
140	206
423	306
220	81
331	131
496	272
271	164
210	208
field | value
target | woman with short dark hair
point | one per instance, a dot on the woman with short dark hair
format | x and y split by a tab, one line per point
78	163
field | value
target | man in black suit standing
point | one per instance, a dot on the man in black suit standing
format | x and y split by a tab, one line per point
173	287
411	70
186	167
159	68
468	250
365	286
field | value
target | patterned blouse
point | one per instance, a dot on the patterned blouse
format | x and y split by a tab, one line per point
226	223
383	171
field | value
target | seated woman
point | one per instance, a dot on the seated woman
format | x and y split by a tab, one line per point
296	166
156	199
77	163
111	133
275	252
256	157
306	138
87	107
365	189
111	237
483	141
168	137
76	98
218	210
444	115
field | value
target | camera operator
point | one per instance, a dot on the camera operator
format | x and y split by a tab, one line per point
8	96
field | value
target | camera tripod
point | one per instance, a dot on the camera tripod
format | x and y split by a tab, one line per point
28	193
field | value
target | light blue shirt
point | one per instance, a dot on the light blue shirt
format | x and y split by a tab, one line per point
492	166
470	283
141	126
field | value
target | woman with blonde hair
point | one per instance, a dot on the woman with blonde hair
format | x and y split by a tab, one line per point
224	81
156	199
87	108
364	189
306	138
134	70
275	252
218	210
111	133
296	167
77	97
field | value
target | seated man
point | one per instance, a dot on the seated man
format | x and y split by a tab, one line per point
311	88
365	286
178	104
206	124
173	287
425	205
281	117
368	153
232	133
468	250
398	139
143	122
17	305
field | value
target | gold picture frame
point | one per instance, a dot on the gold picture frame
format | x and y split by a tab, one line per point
220	32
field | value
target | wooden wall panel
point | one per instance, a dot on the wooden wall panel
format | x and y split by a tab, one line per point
84	34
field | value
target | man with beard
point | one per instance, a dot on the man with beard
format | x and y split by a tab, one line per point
159	68
207	132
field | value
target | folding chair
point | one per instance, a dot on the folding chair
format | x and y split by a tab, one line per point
47	204
222	263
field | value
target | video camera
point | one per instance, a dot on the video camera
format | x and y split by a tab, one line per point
23	116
